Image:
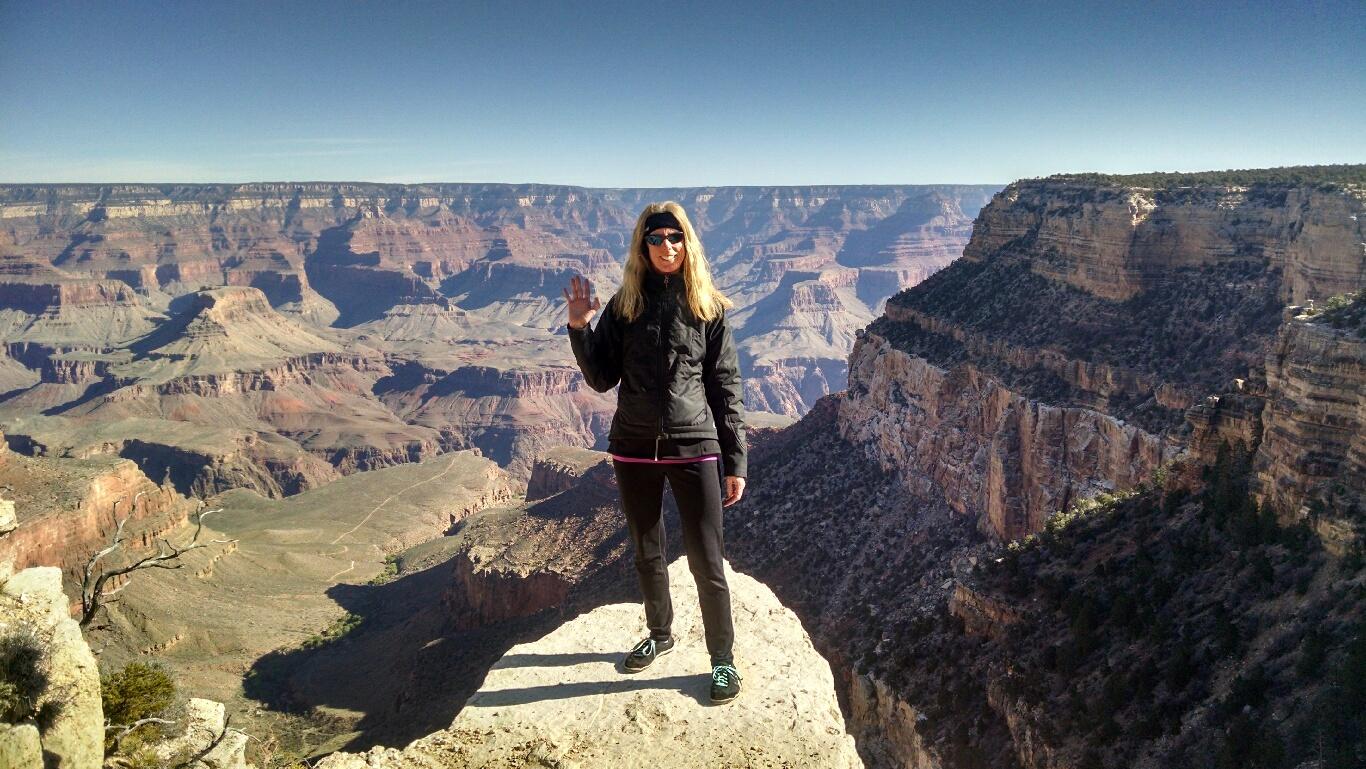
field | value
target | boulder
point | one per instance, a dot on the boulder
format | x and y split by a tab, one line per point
206	725
20	747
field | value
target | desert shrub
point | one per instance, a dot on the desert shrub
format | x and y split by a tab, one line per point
22	677
138	750
334	632
390	572
140	690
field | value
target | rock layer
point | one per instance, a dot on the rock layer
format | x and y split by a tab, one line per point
347	254
1313	447
1005	460
68	509
1116	241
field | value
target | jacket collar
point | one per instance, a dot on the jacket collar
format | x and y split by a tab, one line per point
654	281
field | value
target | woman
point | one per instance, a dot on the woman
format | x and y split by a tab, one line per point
680	416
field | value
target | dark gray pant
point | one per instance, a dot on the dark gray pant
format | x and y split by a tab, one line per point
697	489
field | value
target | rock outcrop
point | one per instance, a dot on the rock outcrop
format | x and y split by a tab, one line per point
1003	459
68	509
1313	445
562	700
207	736
53	670
559	469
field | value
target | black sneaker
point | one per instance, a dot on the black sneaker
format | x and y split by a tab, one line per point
725	683
645	652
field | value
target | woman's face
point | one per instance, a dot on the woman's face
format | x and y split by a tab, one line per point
667	257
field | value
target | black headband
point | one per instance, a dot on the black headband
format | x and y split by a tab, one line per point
662	219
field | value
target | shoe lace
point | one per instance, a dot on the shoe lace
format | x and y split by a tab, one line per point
645	648
721	675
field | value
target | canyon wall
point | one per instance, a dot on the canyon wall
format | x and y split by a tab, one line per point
69	509
1001	458
1116	241
1094	337
1313	444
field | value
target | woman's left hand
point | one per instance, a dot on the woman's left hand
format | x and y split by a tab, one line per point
735	488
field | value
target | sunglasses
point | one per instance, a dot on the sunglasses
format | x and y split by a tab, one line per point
673	237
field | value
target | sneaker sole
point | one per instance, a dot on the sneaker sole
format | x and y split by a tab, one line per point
658	654
731	698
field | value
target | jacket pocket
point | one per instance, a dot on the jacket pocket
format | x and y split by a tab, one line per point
637	412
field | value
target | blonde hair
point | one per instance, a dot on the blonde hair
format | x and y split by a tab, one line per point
704	300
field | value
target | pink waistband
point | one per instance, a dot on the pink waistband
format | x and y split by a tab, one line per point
667	461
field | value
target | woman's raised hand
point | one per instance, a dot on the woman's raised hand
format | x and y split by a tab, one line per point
581	310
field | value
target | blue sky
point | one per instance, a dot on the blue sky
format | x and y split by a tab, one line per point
682	94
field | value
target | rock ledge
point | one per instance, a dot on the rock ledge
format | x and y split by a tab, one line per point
563	701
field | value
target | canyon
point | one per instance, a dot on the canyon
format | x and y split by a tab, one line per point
1089	495
338	328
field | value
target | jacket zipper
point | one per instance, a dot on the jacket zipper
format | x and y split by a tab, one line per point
663	365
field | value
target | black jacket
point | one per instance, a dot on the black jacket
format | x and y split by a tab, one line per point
679	375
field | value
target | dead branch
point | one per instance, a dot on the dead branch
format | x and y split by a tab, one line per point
126	729
93	594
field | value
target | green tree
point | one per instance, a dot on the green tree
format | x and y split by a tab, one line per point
138	691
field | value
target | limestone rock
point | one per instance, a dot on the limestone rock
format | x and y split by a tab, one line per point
563	701
8	521
1114	241
20	747
206	722
32	601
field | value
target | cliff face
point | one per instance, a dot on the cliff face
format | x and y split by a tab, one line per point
1313	446
1117	242
997	456
1141	305
1094	339
559	470
68	508
484	595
